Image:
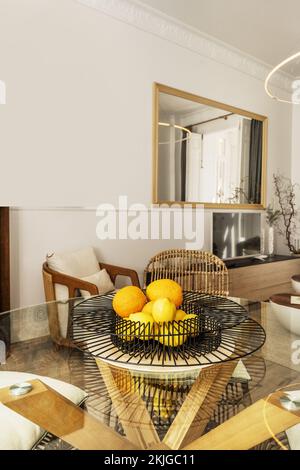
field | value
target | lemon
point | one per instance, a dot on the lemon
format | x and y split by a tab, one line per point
165	288
163	310
178	330
145	329
125	332
156	331
148	307
192	327
172	334
180	314
162	404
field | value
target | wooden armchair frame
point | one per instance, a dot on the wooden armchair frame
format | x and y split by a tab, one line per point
51	277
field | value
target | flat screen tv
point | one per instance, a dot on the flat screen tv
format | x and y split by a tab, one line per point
236	234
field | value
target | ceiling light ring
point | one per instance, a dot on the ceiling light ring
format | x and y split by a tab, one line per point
176	126
273	71
167	124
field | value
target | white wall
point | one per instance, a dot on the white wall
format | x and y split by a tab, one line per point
295	170
76	129
77	126
36	232
295	161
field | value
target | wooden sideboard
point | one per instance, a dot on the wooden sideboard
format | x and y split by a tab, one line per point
258	280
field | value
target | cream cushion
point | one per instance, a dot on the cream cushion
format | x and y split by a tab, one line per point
76	263
101	280
79	264
18	433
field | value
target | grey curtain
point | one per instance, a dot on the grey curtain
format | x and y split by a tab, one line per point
255	162
183	165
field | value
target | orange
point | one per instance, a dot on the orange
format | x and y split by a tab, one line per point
163	288
129	299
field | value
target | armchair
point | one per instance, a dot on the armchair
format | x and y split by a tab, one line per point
51	277
65	282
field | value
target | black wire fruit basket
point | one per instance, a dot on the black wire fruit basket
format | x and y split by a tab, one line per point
219	331
200	332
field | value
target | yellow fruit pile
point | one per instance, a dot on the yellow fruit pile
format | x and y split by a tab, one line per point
156	313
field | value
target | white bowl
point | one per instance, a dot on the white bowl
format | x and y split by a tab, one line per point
288	317
295	285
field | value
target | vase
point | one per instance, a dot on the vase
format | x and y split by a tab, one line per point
270	242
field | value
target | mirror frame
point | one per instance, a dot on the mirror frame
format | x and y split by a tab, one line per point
159	88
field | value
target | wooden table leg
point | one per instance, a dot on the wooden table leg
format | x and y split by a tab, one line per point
129	406
210	403
58	415
189	409
252	426
199	404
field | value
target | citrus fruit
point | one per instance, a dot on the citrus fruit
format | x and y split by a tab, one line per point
172	334
145	329
192	326
125	332
178	330
156	331
129	299
162	403
148	307
163	310
180	314
165	288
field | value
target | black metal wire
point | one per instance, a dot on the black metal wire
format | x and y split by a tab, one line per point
96	329
226	311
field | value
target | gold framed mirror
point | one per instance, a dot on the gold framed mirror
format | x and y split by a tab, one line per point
206	152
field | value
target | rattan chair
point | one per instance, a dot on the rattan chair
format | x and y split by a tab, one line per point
194	270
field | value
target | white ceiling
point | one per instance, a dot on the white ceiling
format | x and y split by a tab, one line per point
174	104
180	107
266	29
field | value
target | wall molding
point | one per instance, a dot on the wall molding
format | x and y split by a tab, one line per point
152	21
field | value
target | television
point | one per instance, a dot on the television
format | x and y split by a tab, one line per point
236	234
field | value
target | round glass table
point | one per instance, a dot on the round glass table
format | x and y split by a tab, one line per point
241	403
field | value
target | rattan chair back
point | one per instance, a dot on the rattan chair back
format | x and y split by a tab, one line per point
194	270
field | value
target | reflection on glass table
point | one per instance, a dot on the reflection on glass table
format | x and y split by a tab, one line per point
80	400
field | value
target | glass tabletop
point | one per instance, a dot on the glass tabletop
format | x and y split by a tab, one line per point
151	408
